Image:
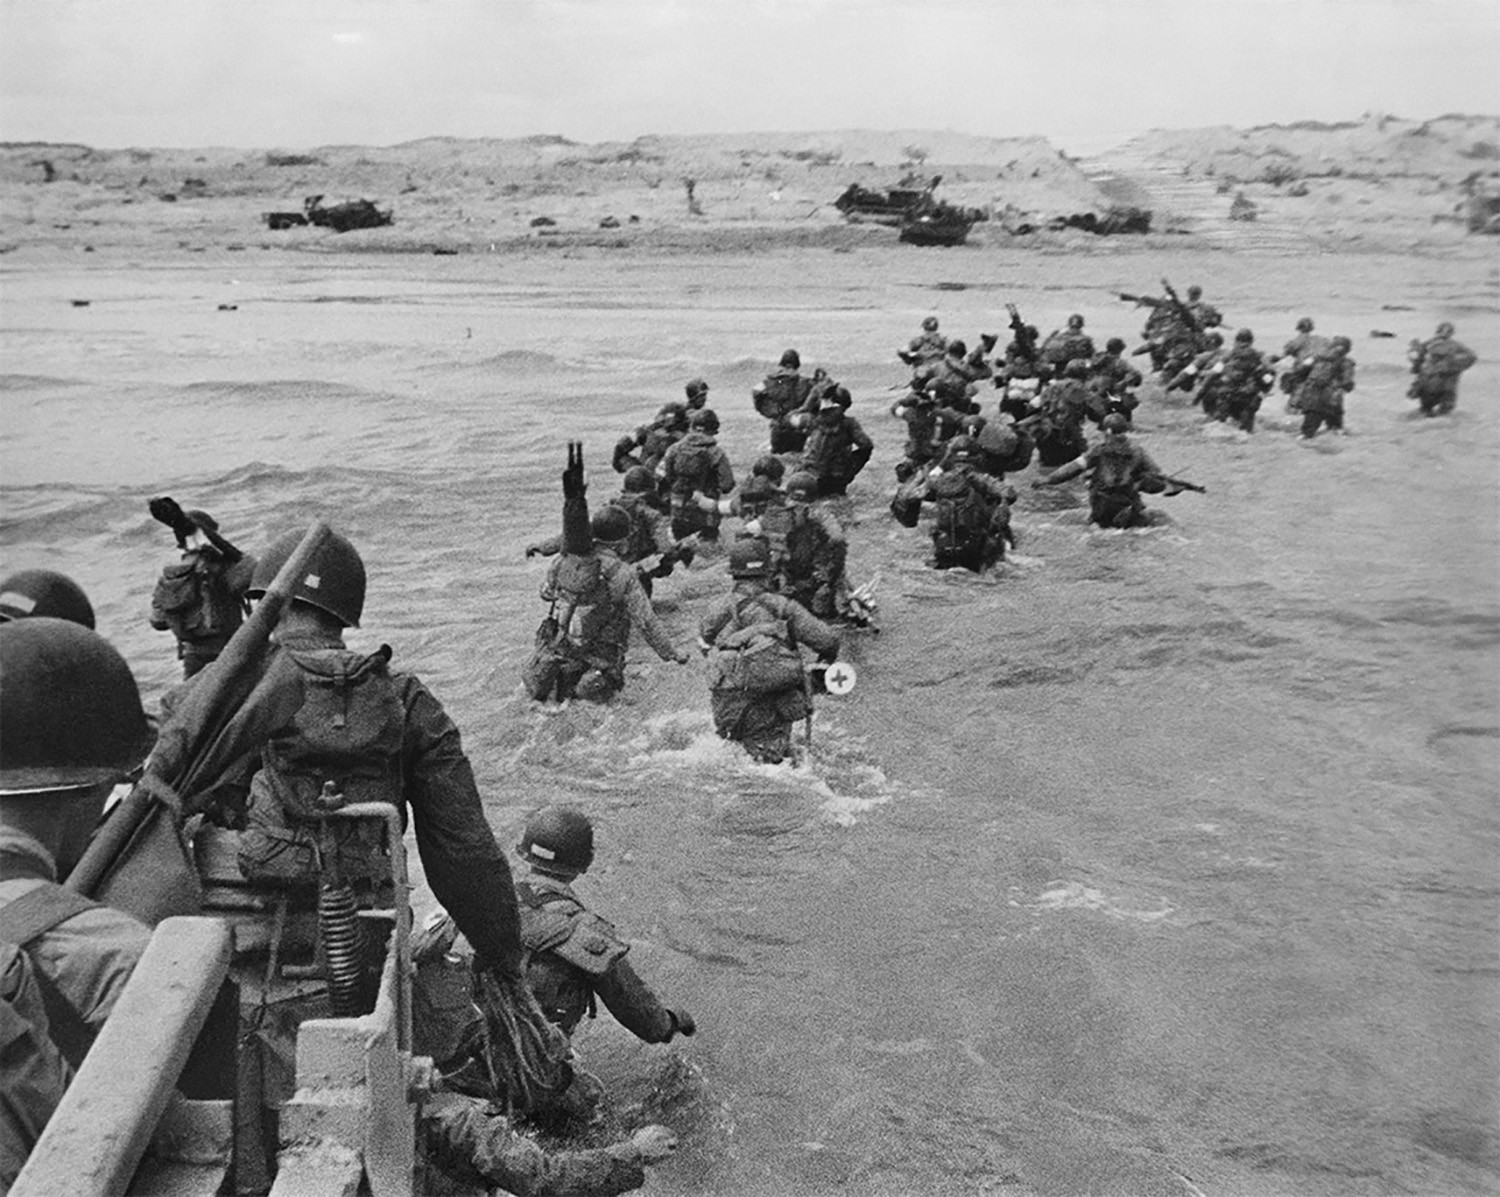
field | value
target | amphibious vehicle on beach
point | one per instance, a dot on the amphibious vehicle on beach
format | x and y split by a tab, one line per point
352	214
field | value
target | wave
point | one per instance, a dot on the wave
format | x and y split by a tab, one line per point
281	389
34	382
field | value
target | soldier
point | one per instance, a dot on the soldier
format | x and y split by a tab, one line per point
837	447
595	599
783	392
1244	379
697	395
1328	380
1203	373
971	521
649	443
1118	473
1437	364
696	463
1113	381
201	599
73	728
1298	354
1057	424
928	346
367	733
1065	345
758	687
952	377
45	592
808	548
574	956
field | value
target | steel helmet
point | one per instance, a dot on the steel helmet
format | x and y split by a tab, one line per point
957	348
1194	291
334	580
34	592
1244	337
1076	368
70	712
1114	345
802	485
750	557
1115	422
930	324
639	481
705	420
558	837
768	465
1445	329
1075	321
610	523
695	388
1343	343
1305	324
1215	338
792	358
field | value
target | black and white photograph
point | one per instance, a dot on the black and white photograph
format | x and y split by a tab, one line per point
755	598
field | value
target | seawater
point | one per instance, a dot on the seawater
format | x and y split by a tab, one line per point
1150	862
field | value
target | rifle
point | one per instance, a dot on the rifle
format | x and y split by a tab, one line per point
1025	338
1178	485
1182	309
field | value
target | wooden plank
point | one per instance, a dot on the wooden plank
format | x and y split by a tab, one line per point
102	1127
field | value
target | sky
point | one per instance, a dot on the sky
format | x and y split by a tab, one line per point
1087	74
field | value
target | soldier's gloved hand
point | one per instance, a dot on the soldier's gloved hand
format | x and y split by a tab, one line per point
573	482
682	1022
655	1143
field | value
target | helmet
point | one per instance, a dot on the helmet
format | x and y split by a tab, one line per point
1076	368
803	485
930	324
44	592
1215	338
1195	291
757	489
704	419
838	397
1244	337
203	520
1114	345
1445	329
768	465
558	837
1075	321
695	388
750	557
792	358
334	580
1115	422
957	348
1343	343
69	706
639	481
610	523
1305	324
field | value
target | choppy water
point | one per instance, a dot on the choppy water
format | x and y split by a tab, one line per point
1150	856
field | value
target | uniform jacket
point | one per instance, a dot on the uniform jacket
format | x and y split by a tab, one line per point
696	462
222	588
837	450
464	865
575	956
805	627
623	603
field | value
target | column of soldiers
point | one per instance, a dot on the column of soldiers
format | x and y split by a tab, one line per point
74	726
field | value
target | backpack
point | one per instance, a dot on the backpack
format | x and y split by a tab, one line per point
583	591
348	731
1114	469
779	395
1444	359
756	653
692	467
642	541
962	515
1324	372
1242	369
188	602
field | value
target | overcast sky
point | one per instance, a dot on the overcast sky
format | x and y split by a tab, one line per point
1086	73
